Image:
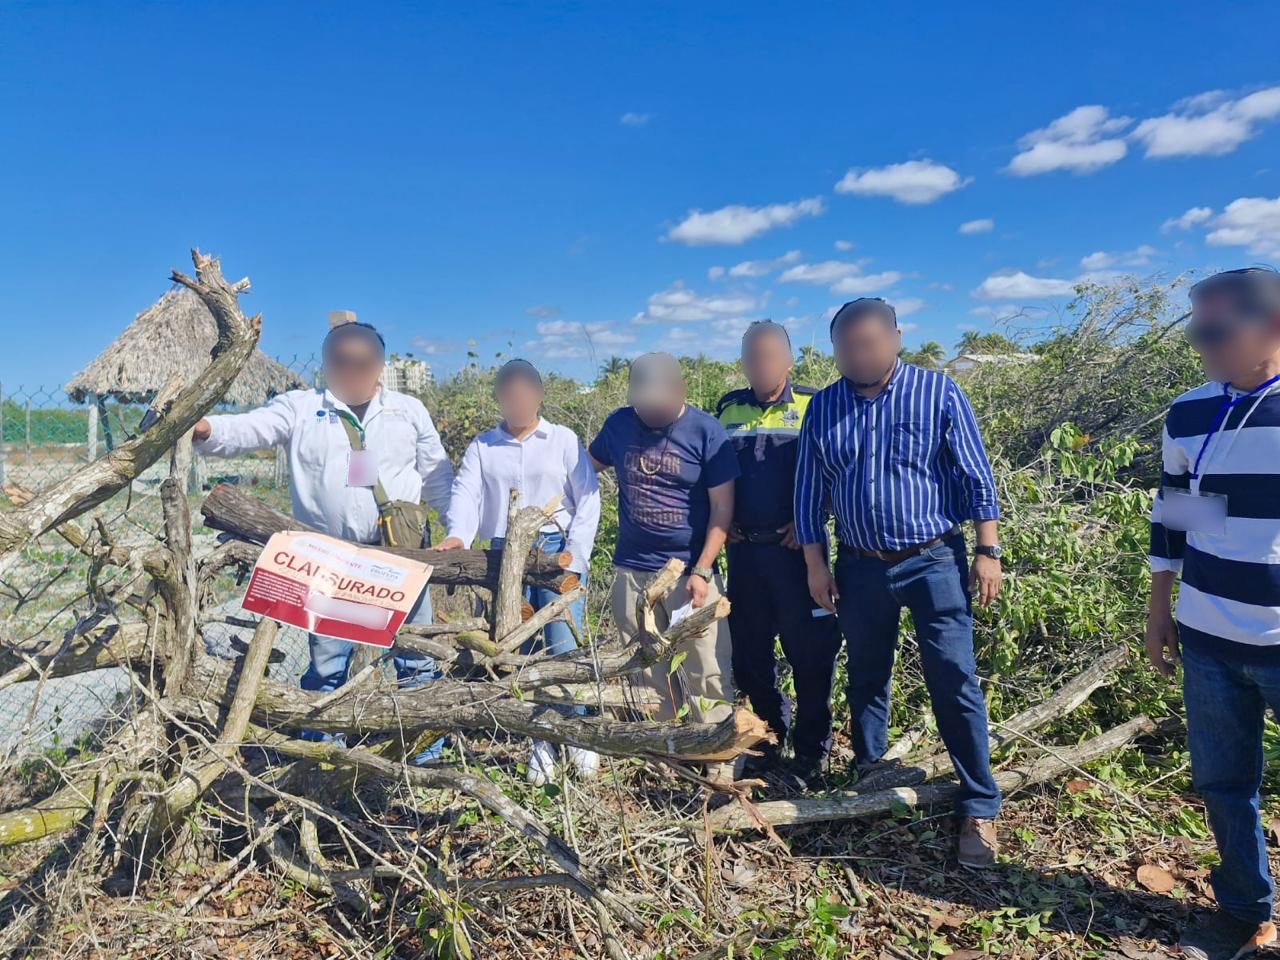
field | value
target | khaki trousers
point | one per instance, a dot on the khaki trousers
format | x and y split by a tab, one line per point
704	679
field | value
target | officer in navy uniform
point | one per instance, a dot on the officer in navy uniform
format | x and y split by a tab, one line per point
768	584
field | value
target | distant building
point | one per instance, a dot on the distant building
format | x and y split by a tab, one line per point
406	374
338	317
967	361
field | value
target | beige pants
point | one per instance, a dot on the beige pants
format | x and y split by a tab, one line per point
704	679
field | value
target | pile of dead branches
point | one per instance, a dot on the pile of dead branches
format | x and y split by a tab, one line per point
208	736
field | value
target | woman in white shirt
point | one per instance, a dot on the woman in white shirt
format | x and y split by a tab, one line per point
540	460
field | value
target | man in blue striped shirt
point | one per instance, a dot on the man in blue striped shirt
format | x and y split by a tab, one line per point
894	451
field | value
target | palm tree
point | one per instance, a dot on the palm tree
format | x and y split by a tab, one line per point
931	354
810	354
613	365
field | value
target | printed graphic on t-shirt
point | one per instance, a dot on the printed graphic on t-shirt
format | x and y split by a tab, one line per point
652	477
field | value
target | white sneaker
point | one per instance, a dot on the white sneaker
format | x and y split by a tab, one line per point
543	767
585	762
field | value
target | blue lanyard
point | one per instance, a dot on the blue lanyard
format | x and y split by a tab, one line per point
1223	410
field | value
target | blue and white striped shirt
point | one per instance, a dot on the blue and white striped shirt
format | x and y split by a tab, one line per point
898	469
1229	600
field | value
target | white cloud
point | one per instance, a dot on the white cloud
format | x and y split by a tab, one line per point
761	268
429	346
984	225
1209	124
828	271
907	306
1020	285
1081	141
863	284
543	311
1187	220
679	304
1102	260
914	182
1250	222
715	273
843	245
630	119
736	224
566	339
843	276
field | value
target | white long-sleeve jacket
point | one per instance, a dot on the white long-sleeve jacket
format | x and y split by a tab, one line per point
412	464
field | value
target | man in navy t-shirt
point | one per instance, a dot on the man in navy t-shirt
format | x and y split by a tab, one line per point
676	470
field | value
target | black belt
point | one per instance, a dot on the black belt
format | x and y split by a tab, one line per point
897	556
761	535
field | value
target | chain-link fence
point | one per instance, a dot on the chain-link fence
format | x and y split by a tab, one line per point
44	437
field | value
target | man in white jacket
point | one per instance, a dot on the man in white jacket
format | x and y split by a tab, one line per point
398	433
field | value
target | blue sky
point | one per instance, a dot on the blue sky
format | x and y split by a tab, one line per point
578	180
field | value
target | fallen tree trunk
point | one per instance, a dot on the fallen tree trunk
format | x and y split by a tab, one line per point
106	645
229	510
1063	701
448	704
825	809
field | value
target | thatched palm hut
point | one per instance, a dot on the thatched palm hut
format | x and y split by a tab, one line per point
170	339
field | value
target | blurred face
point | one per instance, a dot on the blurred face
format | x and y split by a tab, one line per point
766	360
519	398
352	366
1232	345
660	404
865	349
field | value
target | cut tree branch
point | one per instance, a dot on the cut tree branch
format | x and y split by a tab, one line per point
99	481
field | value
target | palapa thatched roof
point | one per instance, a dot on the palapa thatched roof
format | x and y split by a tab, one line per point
172	338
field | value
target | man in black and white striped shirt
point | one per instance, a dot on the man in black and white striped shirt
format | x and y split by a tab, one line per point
1216	521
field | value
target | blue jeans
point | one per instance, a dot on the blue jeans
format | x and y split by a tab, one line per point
1225	706
933	585
331	659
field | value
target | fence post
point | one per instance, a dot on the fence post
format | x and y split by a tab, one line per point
1	433
91	402
28	431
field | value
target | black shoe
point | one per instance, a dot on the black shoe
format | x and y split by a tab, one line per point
1220	936
805	772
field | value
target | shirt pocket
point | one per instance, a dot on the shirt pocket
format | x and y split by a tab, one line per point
911	444
315	443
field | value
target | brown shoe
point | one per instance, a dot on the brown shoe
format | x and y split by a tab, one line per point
976	845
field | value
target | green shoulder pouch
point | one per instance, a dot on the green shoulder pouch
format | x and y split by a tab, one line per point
401	523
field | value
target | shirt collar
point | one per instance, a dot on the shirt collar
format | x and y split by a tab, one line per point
785	397
375	403
899	371
542	430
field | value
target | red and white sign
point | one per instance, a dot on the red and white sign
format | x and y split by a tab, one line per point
334	588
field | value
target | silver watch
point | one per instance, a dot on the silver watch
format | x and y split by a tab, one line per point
706	573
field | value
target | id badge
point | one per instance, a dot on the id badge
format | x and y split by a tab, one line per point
362	468
1193	511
